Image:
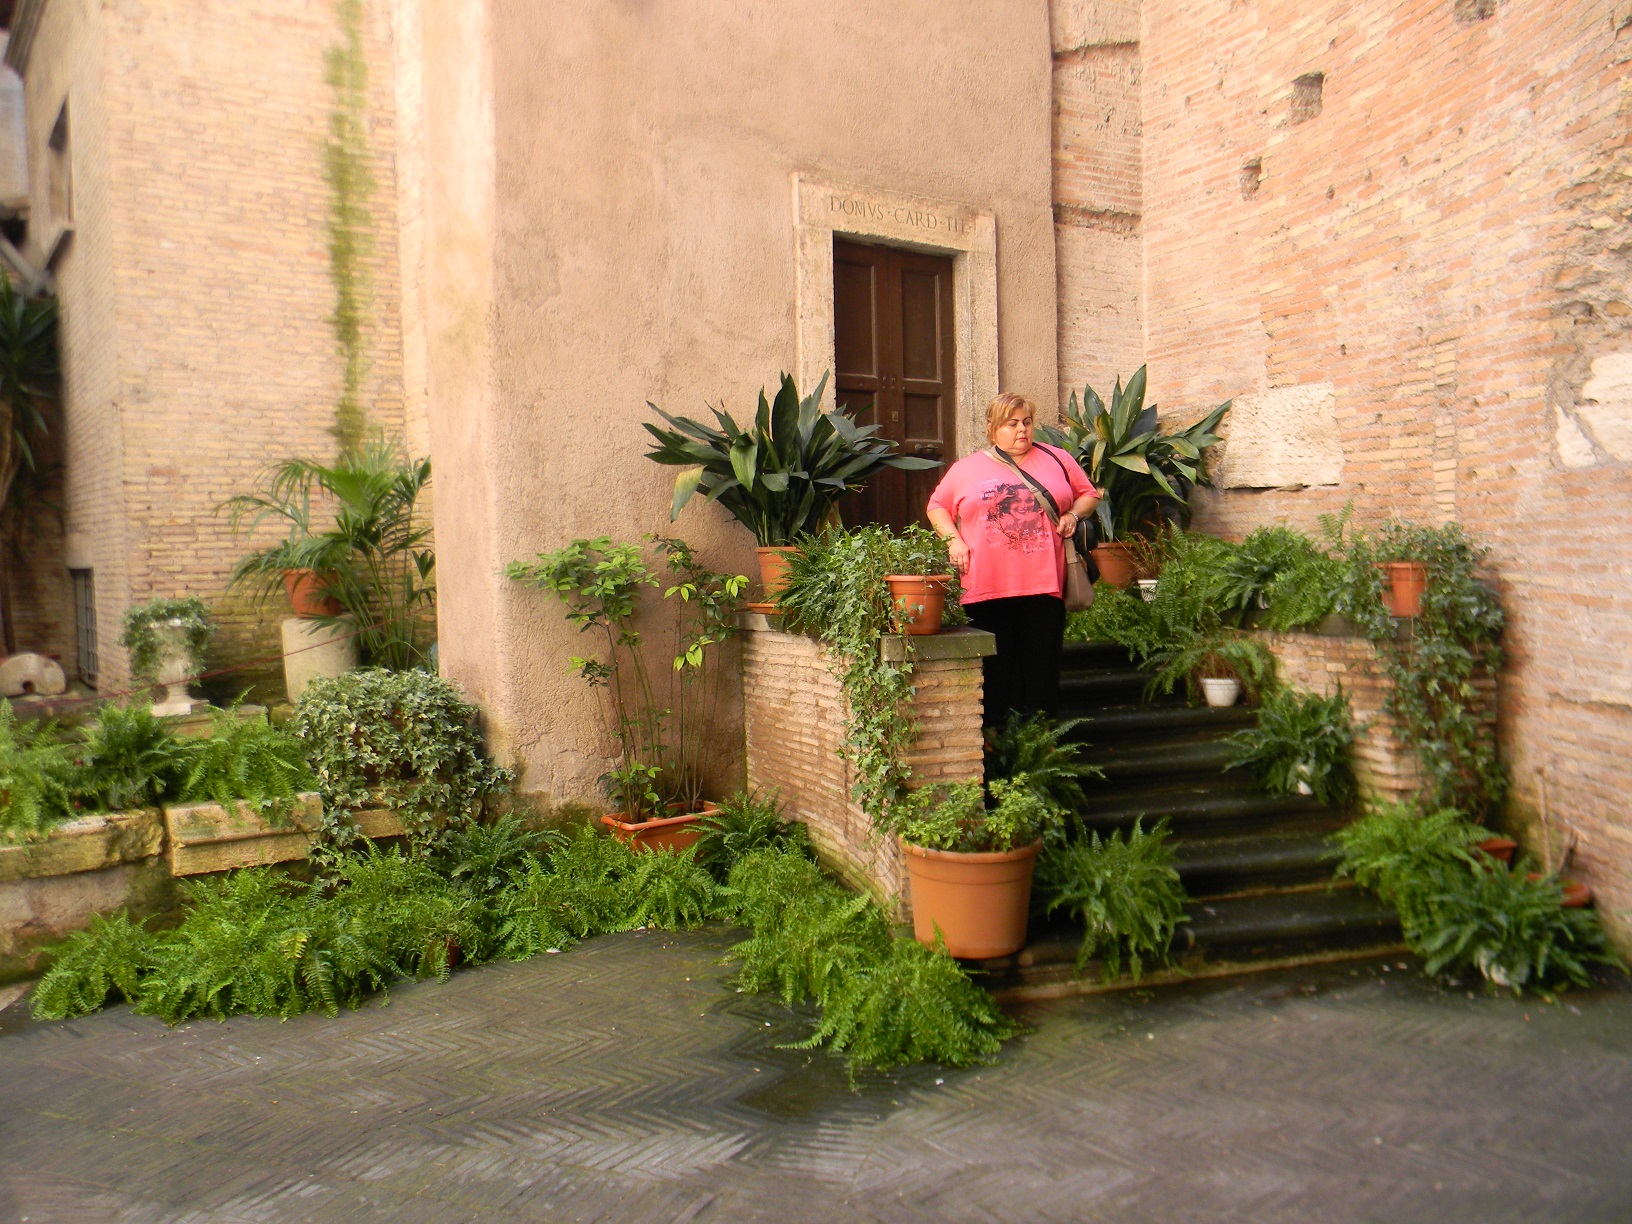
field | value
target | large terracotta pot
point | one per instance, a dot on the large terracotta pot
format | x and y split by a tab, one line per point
920	600
773	569
978	902
668	833
306	594
1115	564
1403	585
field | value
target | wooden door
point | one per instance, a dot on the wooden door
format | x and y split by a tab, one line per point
892	316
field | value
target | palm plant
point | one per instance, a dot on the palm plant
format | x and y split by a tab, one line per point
1142	474
782	476
28	381
375	559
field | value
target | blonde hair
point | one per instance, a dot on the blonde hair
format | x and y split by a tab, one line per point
1002	407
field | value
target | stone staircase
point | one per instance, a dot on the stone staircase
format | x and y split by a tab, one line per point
1258	867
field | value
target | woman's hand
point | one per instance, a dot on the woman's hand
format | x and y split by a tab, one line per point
959	552
1067	524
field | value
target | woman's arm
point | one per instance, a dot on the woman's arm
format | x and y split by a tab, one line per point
1080	509
944	527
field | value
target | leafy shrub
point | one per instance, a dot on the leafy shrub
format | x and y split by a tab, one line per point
127	759
955	817
1126	894
1035	746
744	823
1460	909
1300	737
885	1001
36	773
405	740
247	759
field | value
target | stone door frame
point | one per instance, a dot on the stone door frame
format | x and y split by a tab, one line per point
822	209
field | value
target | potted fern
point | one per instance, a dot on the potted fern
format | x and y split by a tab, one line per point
970	863
782	475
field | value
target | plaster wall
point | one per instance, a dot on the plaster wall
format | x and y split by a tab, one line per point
631	237
1436	257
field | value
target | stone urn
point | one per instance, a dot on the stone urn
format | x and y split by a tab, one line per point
175	664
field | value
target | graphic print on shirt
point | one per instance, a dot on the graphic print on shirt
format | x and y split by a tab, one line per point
1013	518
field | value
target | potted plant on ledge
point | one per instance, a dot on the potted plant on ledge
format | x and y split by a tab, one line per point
782	476
922	581
970	864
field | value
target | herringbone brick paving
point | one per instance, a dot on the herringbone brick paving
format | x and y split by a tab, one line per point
625	1080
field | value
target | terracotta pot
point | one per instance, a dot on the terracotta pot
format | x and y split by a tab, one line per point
1499	848
1115	564
1220	691
773	569
979	902
1403	585
306	595
920	600
1576	894
668	833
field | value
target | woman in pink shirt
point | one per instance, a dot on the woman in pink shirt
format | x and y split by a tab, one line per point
1010	552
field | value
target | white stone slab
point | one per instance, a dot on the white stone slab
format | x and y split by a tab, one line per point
1285	437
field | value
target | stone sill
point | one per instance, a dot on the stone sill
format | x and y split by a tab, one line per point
960	642
86	843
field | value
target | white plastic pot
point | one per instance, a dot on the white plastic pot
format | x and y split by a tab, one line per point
1147	589
1220	692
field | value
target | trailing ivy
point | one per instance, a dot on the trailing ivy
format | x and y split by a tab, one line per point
141	640
405	740
350	182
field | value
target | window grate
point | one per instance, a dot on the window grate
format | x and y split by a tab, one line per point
85	623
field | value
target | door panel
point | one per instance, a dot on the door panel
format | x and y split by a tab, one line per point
893	354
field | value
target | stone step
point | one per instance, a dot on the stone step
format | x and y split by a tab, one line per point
1157	723
1090	656
1083	692
1213	810
1165	760
1221	866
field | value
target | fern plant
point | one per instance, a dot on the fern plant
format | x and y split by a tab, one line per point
1036	747
745	822
1126	894
127	759
248	760
36	777
91	966
1301	738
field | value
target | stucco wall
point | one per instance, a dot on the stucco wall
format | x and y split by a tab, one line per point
636	243
1438	258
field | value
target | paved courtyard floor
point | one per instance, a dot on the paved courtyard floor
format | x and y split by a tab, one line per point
626	1081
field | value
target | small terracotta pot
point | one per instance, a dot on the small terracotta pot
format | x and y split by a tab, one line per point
920	600
1403	585
773	569
1576	894
1115	564
1499	848
667	833
306	594
978	902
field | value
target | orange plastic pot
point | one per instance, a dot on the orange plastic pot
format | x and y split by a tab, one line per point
773	570
1576	894
1499	848
306	594
920	601
667	833
1115	564
977	902
1403	585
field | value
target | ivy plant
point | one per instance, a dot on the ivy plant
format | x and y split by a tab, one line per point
188	613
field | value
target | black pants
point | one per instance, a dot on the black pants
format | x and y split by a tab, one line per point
1024	674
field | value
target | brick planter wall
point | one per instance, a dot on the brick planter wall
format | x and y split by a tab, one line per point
793	715
1384	766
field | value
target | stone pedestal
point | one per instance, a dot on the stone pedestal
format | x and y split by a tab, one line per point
793	714
312	649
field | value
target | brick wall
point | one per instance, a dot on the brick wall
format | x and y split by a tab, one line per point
793	716
197	290
1097	191
1445	246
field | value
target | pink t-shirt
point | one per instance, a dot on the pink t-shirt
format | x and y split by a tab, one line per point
1013	546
